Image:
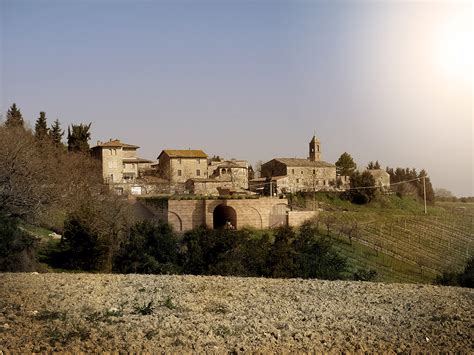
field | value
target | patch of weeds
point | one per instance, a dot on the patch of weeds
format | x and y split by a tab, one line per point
168	303
56	335
144	309
150	334
442	318
218	308
222	331
142	289
48	315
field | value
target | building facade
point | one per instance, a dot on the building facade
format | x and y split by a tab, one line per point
178	166
120	162
297	174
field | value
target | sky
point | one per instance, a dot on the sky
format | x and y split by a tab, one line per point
382	80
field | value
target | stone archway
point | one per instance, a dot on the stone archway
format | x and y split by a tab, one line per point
223	215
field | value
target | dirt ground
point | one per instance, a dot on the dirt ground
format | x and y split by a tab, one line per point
136	313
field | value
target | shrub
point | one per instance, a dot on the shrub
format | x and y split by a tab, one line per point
17	248
148	248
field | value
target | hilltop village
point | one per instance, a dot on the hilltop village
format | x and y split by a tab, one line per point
188	189
192	171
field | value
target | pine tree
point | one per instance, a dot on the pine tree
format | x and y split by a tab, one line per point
56	133
78	137
14	117
373	166
345	165
41	128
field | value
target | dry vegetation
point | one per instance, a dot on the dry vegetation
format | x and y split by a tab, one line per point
85	312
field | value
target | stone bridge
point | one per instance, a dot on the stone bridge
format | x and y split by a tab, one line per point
261	213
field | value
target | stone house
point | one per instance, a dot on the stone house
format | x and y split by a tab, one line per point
298	174
178	166
120	162
381	177
237	171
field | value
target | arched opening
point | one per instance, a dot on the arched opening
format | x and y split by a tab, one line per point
224	217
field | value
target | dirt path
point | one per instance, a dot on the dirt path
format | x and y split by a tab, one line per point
84	312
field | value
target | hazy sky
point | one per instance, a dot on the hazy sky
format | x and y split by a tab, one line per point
253	80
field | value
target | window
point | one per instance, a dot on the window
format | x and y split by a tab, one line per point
301	171
223	171
297	181
314	171
318	148
198	161
179	160
292	171
198	172
179	172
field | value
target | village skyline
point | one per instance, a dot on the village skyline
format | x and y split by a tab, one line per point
252	81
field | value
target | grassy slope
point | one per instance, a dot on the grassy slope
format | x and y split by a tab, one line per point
427	244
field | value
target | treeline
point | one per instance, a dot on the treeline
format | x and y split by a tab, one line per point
43	183
149	248
403	181
414	186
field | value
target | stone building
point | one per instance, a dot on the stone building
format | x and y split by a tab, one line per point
237	171
298	174
120	163
381	177
178	166
184	215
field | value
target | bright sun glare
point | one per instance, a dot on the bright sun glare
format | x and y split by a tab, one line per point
455	44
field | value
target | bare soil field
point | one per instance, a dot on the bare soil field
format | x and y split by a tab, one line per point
145	313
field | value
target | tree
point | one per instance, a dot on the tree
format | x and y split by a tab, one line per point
41	128
56	133
430	195
362	187
78	137
373	166
345	165
14	117
16	246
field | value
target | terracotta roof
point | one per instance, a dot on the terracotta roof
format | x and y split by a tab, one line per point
115	143
228	164
297	162
177	153
136	160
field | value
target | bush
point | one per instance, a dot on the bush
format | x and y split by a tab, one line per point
463	279
79	247
17	248
148	248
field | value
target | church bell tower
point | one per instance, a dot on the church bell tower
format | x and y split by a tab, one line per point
315	149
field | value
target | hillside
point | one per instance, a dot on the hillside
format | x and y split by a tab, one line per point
396	239
87	312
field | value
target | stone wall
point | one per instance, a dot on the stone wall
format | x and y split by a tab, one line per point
297	218
185	215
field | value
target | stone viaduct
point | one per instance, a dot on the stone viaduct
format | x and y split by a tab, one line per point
260	213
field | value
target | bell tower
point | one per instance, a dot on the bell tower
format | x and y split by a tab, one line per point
315	149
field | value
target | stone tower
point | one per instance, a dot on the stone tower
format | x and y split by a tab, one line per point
315	149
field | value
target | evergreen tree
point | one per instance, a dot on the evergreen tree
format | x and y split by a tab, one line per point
56	133
14	117
362	190
41	128
373	166
78	137
345	165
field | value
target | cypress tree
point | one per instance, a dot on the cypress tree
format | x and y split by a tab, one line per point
56	133
41	128
14	117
